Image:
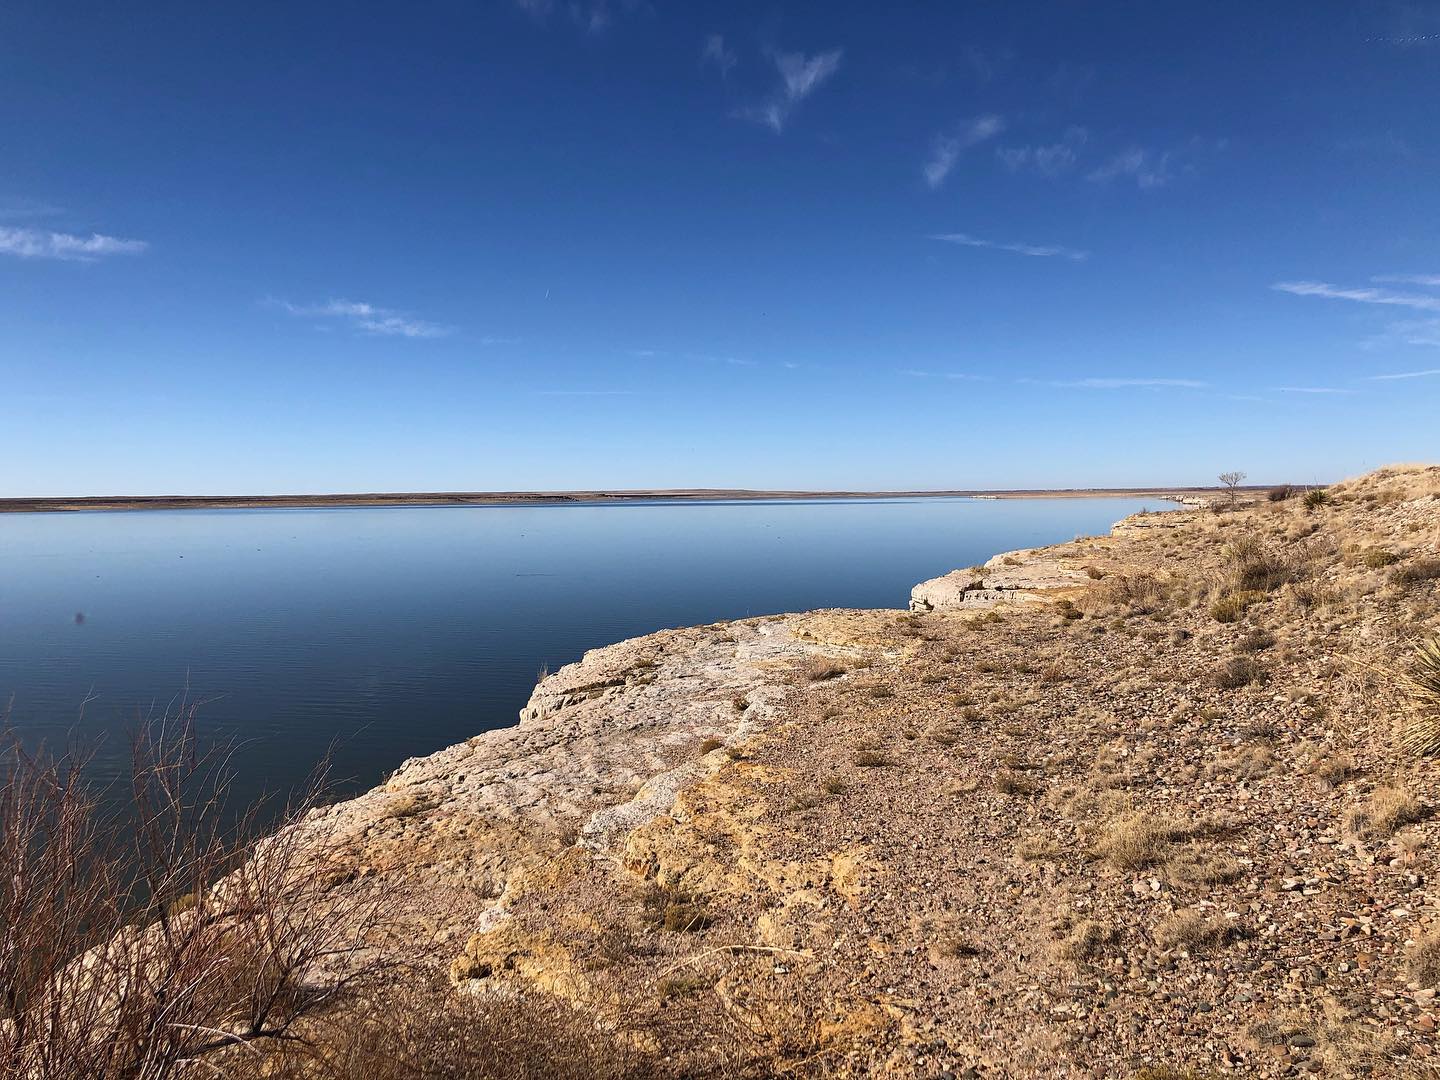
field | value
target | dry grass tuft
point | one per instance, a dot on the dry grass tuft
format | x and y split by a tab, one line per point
1136	594
872	759
1239	671
1009	782
1423	959
1191	932
1416	573
1421	734
1203	868
1389	808
1135	840
822	669
1087	941
428	1031
1256	568
1232	606
1255	641
675	910
1331	768
408	806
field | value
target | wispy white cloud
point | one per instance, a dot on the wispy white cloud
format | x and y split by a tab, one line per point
492	339
38	244
800	76
1422	332
591	16
945	149
1429	280
1313	390
954	376
1052	159
1418	301
367	318
715	52
1120	383
1038	250
1148	168
1404	375
584	393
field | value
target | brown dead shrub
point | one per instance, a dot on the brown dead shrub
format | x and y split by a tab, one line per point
146	937
1239	671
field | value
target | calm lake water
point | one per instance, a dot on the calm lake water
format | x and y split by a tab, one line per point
388	633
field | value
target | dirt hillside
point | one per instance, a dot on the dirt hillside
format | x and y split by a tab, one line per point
1155	821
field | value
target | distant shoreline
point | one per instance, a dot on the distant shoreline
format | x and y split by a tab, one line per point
549	498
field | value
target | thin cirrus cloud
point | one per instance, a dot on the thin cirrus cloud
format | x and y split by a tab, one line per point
1429	280
1146	167
1054	251
800	76
715	52
1424	332
1050	159
1362	295
584	393
1313	390
67	247
1404	375
593	17
1120	383
945	149
954	376
367	318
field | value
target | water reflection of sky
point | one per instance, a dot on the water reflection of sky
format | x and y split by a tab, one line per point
393	632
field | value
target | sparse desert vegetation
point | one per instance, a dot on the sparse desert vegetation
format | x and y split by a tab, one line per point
1173	819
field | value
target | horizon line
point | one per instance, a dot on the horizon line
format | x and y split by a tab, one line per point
50	503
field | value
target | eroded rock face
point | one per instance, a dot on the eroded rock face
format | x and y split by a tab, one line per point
1016	577
1030	575
603	746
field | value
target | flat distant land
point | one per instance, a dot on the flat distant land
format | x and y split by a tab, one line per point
503	498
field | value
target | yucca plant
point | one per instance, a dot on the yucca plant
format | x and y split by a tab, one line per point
1422	732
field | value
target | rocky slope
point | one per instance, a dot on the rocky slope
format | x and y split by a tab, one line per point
1153	821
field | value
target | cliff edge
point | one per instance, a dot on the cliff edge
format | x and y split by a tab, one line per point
1154	817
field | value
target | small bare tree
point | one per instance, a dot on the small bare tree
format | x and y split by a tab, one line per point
1232	481
140	936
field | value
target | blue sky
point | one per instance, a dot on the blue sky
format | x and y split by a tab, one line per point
541	244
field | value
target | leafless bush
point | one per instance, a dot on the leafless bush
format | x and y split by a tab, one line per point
1137	594
145	934
1254	566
